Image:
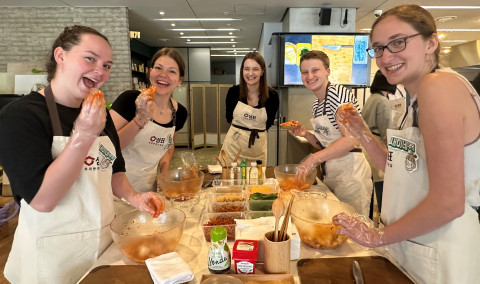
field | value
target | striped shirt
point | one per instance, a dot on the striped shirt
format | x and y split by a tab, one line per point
336	96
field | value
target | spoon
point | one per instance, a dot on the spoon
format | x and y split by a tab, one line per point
277	208
224	156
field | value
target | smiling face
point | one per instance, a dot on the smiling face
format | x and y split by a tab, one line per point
314	75
406	67
252	72
85	66
165	75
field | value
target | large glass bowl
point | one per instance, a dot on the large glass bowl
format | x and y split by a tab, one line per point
285	175
180	184
140	236
313	219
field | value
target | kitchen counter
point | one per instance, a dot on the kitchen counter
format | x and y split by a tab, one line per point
194	249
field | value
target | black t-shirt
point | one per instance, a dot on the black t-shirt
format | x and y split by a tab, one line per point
26	137
271	104
124	105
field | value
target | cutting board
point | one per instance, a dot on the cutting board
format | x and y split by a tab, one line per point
375	269
118	274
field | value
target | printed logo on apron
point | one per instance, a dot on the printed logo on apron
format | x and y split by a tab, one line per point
99	163
164	142
406	146
249	116
322	130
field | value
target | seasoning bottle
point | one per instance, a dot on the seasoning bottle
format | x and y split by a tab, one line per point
234	171
243	168
253	173
260	170
219	253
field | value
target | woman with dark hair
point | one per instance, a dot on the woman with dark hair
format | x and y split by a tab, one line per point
62	155
250	109
431	188
377	113
139	116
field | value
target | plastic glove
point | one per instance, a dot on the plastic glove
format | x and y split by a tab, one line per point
349	119
306	165
143	105
301	131
359	231
91	120
149	202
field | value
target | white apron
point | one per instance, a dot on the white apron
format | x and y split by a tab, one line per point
60	246
450	254
247	117
145	151
349	177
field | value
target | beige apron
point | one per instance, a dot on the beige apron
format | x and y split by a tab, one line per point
349	176
450	254
247	117
60	246
145	151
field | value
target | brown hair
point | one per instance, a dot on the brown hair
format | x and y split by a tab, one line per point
263	88
419	18
70	37
173	54
316	54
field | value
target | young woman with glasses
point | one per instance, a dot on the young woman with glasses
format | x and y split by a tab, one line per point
431	188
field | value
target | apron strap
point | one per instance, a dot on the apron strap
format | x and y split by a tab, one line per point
53	112
253	134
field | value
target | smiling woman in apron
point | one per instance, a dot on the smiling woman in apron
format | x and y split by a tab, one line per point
431	190
148	122
64	164
250	109
346	170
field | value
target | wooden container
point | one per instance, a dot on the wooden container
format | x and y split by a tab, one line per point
276	254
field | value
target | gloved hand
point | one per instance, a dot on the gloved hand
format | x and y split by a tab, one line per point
149	202
306	165
91	120
143	105
359	231
349	119
301	131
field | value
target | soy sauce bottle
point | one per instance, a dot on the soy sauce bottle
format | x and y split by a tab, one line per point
219	253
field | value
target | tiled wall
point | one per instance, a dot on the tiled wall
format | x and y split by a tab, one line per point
27	34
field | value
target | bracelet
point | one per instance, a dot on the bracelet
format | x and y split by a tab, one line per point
137	123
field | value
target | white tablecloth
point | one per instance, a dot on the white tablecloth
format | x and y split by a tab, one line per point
194	249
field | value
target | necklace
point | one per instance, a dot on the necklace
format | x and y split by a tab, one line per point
161	110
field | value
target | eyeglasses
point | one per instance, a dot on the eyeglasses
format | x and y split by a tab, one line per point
394	46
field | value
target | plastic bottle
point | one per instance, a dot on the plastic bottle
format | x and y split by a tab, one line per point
234	172
219	254
260	170
253	173
243	168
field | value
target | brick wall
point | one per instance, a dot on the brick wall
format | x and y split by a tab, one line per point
27	34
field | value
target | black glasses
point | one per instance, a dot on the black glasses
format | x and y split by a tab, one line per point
394	46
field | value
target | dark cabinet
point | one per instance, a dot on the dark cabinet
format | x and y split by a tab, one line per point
139	70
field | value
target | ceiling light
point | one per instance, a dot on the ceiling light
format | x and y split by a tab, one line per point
233	45
455	40
227	48
445	19
441	36
231	37
235	51
198	19
188	39
452	7
172	24
210	42
202	30
161	13
458	30
182	33
230	33
227	55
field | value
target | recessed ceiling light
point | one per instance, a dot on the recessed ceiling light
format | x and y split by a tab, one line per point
198	19
230	33
172	24
231	37
182	33
233	45
161	13
188	39
441	36
202	30
209	42
444	19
